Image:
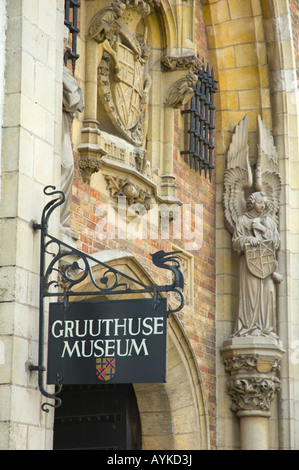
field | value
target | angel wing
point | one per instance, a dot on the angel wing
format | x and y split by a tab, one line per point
267	178
237	176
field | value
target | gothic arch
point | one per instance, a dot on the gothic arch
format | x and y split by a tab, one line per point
176	23
164	18
173	415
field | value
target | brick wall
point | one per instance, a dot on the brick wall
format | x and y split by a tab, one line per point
199	321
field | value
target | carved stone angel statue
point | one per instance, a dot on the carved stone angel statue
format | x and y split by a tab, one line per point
253	222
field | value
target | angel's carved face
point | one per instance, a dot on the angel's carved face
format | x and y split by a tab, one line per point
260	204
257	202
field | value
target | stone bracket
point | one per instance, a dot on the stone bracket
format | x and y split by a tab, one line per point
252	364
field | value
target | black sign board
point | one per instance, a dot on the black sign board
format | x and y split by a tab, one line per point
118	341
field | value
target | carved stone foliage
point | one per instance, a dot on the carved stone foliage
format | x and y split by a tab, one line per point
123	187
252	393
88	166
251	362
187	62
123	83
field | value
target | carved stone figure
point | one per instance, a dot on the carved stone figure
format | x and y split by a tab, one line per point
253	224
72	102
181	91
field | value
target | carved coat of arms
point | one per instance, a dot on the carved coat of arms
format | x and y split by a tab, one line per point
261	259
128	89
123	84
105	368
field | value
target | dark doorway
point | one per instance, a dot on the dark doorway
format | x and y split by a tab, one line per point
97	417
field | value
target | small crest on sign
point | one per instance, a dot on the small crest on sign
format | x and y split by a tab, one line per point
105	368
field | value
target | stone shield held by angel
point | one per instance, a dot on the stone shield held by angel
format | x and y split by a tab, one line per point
251	206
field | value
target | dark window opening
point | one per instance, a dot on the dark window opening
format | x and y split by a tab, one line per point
199	122
71	21
97	417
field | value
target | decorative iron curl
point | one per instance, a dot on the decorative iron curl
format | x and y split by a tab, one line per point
49	207
43	226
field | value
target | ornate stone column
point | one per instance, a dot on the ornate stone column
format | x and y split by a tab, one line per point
252	364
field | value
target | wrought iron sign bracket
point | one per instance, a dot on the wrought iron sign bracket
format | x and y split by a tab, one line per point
57	273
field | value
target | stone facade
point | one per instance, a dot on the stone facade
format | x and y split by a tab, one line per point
221	392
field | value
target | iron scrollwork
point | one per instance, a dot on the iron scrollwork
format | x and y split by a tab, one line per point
68	276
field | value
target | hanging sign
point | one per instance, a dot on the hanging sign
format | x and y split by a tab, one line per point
120	341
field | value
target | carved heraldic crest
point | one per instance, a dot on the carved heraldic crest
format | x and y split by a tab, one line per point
123	83
261	260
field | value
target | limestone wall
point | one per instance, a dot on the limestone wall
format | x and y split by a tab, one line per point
31	140
2	66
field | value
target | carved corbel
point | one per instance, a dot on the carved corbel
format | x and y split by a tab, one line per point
253	382
179	62
181	91
123	187
252	368
90	152
88	166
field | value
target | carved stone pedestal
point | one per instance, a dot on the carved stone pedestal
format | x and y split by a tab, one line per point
252	363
